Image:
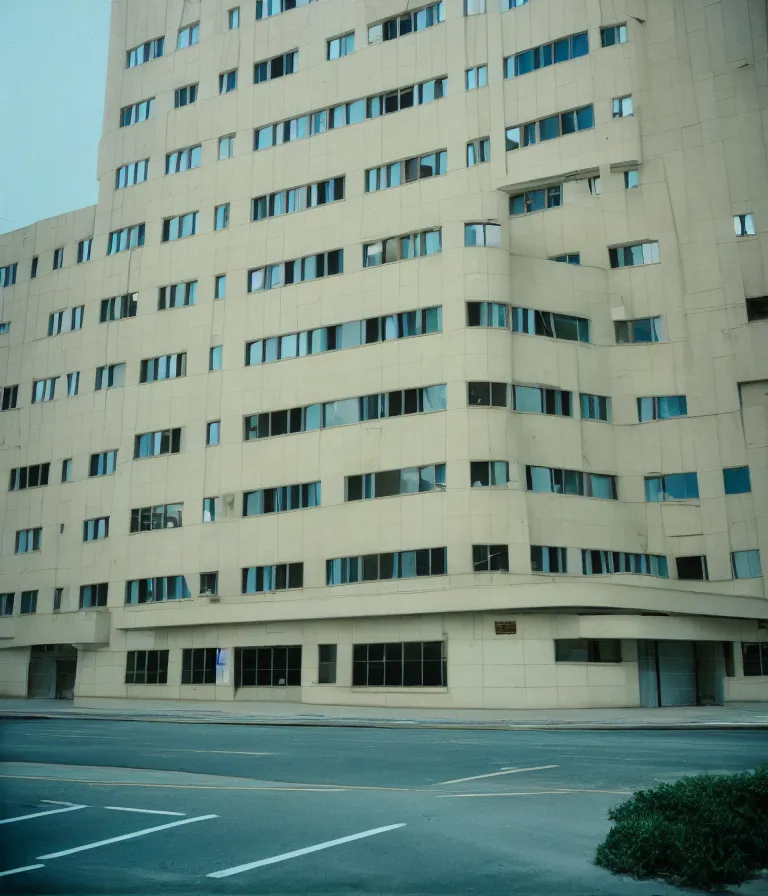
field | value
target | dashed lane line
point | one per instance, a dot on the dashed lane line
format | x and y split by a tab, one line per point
506	771
40	814
19	870
144	811
455	796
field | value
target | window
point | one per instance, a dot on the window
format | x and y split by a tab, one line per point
10	397
281	498
482	235
622	107
188	36
393	565
6	603
298	270
28	603
410	480
746	564
119	307
259	579
485	473
221	217
32	271
736	481
73	384
601	563
177	295
536	200
662	407
64	321
127	176
185	96
490	558
162	588
8	273
628	256
43	390
5	327
401	248
166	367
146	667
743	225
267	667
96	529
28	540
547	323
127	238
179	227
595	407
613	34
58	594
476	77
297	199
212	433
152	49
692	568
340	46
408	664
136	113
672	487
631	179
226	147
66	470
642	329
755	657
220	287
487	314
228	81
58	259
153	444
549	560
422	400
33	476
592	650
512	4
322	120
183	159
269	69
103	464
539	400
84	250
595	186
94	595
233	18
347	335
559	125
492	395
160	516
326	664
571	482
209	583
214	357
265	8
198	665
406	23
541	57
407	171
209	510
757	308
478	151
474	7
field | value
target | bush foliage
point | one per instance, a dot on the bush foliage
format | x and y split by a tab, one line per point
707	831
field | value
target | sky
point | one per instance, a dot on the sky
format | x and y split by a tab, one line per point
53	64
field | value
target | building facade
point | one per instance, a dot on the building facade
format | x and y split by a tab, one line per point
410	356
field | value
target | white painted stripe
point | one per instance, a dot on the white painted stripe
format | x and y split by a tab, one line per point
228	872
160	827
144	811
507	771
19	870
69	808
459	796
226	752
58	802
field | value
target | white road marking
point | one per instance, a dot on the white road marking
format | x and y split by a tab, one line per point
59	802
145	811
227	752
456	796
506	771
160	827
302	852
19	870
70	808
79	736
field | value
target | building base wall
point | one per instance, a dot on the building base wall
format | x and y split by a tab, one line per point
14	671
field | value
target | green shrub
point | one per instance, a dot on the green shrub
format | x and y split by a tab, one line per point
707	831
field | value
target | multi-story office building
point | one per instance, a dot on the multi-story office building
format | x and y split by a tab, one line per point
411	356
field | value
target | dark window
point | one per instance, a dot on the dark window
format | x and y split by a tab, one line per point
94	595
267	667
326	664
28	603
198	665
490	558
692	568
598	650
755	657
757	309
146	667
209	583
736	481
548	560
409	664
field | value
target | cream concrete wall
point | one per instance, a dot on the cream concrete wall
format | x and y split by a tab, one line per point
699	146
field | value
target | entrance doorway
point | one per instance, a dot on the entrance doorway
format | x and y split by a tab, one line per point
681	673
52	672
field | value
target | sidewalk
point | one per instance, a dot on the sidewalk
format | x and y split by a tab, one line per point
734	715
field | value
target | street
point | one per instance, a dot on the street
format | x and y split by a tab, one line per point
140	807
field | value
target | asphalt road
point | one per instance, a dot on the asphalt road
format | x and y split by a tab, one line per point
141	807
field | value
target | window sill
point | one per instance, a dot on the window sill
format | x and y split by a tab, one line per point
395	689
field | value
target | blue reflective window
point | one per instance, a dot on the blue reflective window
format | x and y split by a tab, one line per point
736	481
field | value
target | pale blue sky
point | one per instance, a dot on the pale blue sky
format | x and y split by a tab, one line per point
53	59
